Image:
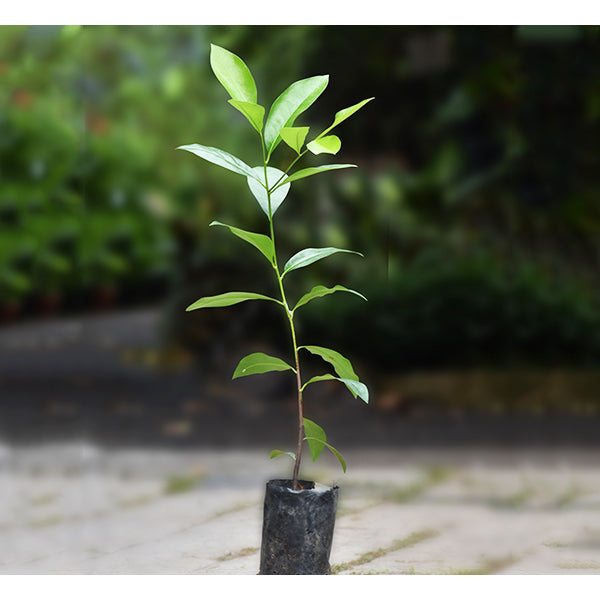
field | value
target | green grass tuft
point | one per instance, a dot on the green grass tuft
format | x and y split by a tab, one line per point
178	484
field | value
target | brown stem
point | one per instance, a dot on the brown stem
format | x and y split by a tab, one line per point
295	484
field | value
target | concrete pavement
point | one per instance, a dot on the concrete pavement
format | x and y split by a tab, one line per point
80	509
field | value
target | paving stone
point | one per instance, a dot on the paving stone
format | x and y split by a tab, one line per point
76	509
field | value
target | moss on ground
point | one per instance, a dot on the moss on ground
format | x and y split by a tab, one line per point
410	540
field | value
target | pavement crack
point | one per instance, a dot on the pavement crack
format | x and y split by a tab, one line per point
398	544
239	554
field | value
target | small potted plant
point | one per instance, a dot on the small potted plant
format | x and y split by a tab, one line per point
298	518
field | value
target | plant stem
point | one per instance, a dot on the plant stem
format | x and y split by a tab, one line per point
295	484
278	182
290	316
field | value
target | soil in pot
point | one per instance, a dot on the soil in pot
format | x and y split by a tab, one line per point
297	529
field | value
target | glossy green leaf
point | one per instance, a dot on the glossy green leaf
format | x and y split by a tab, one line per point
233	74
257	186
326	377
294	137
308	172
320	290
258	240
259	362
315	435
255	113
310	255
221	158
335	452
227	299
343	114
357	388
343	367
329	144
276	453
289	105
316	438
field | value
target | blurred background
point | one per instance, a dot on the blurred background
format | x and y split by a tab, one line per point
475	204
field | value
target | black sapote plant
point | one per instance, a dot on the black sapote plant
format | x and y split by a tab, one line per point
270	186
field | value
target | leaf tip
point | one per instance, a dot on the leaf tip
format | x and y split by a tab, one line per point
216	48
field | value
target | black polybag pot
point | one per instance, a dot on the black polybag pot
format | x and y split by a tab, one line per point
297	529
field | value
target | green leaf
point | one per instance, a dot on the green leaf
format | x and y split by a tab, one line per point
257	363
294	137
221	158
357	389
326	377
343	367
337	454
227	299
276	453
343	114
315	435
289	105
233	74
258	240
258	187
320	290
330	144
316	438
310	255
255	113
313	171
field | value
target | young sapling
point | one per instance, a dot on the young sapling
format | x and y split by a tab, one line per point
270	187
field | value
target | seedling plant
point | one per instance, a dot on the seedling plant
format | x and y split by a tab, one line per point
270	186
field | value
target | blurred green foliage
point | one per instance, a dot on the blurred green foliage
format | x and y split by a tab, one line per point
475	202
470	311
